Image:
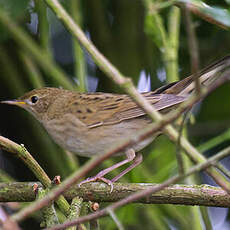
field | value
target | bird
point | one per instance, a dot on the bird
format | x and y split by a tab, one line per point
88	124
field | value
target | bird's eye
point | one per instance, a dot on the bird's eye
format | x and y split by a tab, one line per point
34	99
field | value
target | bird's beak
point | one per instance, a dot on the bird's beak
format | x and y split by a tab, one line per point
14	102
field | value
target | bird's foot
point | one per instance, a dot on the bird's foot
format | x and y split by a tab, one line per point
98	178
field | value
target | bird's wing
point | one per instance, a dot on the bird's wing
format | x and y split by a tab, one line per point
104	109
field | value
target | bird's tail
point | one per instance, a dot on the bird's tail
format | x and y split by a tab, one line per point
207	76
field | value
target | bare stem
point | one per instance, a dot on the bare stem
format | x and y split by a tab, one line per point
145	193
202	195
193	49
21	152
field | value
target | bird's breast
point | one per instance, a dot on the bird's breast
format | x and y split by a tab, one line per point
89	142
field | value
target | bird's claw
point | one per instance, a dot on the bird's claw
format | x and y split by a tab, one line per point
97	178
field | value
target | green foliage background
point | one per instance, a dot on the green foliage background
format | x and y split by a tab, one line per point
135	35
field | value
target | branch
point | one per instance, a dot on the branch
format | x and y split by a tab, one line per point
193	49
202	195
48	213
66	184
145	193
5	222
21	152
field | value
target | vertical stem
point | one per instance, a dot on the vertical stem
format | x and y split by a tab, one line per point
193	49
79	65
49	214
193	179
171	54
43	25
75	210
205	217
34	75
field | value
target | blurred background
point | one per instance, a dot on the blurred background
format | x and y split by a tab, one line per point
146	40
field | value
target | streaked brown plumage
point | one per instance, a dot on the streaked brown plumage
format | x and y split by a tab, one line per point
90	123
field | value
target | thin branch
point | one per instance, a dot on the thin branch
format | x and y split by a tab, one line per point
49	214
75	210
172	48
206	218
43	26
202	195
116	220
167	41
193	49
6	223
179	156
79	58
21	152
145	193
3	215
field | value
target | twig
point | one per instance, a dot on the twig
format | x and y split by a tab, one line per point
193	49
21	152
49	214
206	218
7	223
180	194
43	25
179	156
116	220
75	210
167	41
225	136
144	193
172	45
79	58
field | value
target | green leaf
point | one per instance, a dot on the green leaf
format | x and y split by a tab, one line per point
219	14
212	14
154	28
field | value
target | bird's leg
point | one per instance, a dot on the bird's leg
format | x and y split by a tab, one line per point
136	161
130	154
